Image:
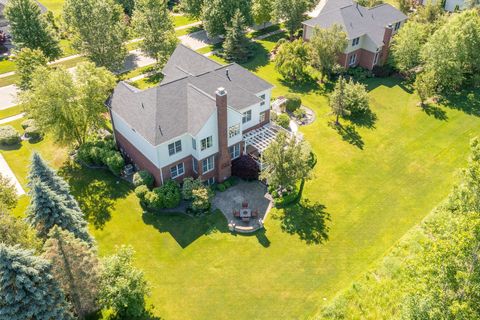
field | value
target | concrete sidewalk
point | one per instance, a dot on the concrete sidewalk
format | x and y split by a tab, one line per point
8	173
8	96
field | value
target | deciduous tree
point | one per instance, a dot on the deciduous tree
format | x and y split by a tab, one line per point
326	45
8	193
15	231
122	286
99	30
218	14
291	60
75	267
262	11
127	5
69	107
407	45
237	47
292	12
152	21
338	102
30	29
29	290
193	8
27	61
287	161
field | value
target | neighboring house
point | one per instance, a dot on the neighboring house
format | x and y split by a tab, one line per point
369	30
195	122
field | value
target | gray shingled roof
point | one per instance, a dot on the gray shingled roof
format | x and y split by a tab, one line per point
357	20
185	99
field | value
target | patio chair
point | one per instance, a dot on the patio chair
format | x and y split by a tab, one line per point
244	204
255	213
236	213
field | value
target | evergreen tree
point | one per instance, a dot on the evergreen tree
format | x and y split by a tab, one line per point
152	21
338	101
217	15
30	29
48	209
75	267
28	289
237	46
39	169
100	31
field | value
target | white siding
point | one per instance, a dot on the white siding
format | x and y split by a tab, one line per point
162	150
209	129
137	140
234	117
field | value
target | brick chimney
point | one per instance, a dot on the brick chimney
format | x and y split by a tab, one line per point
223	163
387	37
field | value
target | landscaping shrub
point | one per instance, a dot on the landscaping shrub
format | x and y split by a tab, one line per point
283	120
299	113
9	136
141	192
201	199
154	199
232	180
171	194
143	177
359	73
285	198
189	184
227	184
101	153
221	187
245	168
32	131
28	123
382	71
293	102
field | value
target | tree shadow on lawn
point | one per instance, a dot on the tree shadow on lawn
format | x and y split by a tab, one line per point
462	102
365	119
260	57
96	191
349	134
306	219
186	229
435	111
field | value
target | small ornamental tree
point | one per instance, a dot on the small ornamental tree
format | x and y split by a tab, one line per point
286	161
47	209
237	46
27	61
190	184
30	29
338	103
29	291
143	177
356	97
291	60
201	199
122	286
425	86
76	268
8	193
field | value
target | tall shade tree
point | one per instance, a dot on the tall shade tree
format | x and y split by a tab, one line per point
237	47
99	30
292	12
218	14
27	61
8	193
47	209
40	170
262	11
75	267
287	161
127	5
122	286
15	231
338	101
69	107
193	8
291	60
152	21
325	47
407	46
29	290
30	29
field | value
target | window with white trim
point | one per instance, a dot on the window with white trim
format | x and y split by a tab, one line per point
355	42
208	164
263	116
353	59
210	181
247	116
375	59
175	147
397	26
234	151
177	170
195	165
234	130
206	143
263	98
194	144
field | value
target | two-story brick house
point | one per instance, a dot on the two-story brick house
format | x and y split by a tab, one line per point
369	30
193	123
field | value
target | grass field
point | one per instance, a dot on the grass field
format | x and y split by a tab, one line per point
376	178
56	6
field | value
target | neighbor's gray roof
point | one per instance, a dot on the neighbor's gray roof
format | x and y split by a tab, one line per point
357	20
185	99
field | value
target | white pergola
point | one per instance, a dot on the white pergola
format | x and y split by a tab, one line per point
262	137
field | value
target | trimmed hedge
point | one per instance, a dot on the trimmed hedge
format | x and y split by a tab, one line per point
102	153
9	136
167	196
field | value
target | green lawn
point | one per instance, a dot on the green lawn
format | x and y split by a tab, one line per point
376	179
5	113
56	6
181	20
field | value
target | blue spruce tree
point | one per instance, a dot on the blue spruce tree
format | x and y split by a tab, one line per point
28	289
48	209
